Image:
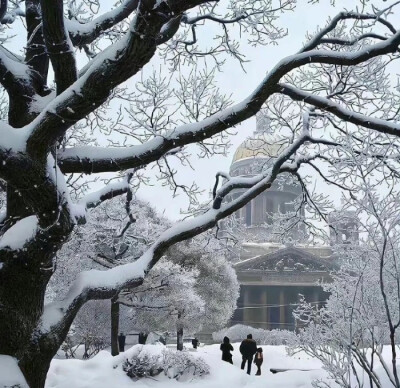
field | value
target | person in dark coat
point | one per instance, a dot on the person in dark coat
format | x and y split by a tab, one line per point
143	338
195	343
258	360
121	342
162	340
248	348
226	348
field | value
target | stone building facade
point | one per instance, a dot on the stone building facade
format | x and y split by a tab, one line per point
273	276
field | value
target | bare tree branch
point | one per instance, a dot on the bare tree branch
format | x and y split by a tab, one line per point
327	105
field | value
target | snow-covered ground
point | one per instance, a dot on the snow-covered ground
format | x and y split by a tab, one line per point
105	371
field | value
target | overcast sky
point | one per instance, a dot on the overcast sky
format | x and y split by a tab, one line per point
233	80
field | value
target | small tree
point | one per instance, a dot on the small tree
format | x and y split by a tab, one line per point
189	292
362	313
167	301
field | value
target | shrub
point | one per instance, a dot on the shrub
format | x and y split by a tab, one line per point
143	365
175	365
178	365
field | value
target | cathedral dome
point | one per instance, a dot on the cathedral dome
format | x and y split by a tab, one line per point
259	146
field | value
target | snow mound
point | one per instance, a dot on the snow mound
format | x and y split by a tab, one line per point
10	374
105	371
20	233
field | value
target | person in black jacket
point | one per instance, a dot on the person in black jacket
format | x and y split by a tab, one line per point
195	343
226	348
248	348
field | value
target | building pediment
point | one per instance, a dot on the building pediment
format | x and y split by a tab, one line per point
287	259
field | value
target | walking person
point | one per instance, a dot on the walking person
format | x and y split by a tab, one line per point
258	360
121	342
226	348
195	343
248	348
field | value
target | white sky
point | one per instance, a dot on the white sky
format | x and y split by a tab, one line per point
233	80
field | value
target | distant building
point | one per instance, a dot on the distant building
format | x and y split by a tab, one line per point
273	275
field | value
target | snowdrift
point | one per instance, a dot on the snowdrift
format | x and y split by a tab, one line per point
105	371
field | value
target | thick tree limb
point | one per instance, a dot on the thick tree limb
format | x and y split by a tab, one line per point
3	8
36	56
58	44
110	191
96	159
21	85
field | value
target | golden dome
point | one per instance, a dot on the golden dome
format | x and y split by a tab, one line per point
259	146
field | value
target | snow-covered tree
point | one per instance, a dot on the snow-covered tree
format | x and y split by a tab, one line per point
167	301
194	288
59	129
362	313
117	232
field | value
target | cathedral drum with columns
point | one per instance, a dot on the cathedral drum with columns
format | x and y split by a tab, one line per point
273	275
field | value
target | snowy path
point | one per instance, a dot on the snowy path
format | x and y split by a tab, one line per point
274	357
99	372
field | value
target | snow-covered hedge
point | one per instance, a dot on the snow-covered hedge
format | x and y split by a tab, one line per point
175	365
238	333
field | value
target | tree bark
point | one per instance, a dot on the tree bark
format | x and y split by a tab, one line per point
179	339
22	287
114	326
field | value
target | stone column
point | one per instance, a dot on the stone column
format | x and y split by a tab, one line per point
264	300
246	303
316	296
282	308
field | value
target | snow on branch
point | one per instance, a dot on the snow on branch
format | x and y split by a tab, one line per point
327	105
85	33
107	192
96	284
99	159
111	67
319	38
11	139
19	234
13	73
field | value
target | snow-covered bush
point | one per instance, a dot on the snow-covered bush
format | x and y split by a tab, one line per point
179	365
174	364
142	366
238	333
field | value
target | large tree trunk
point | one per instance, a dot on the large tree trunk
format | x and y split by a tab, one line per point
114	326
22	287
179	339
35	368
23	281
